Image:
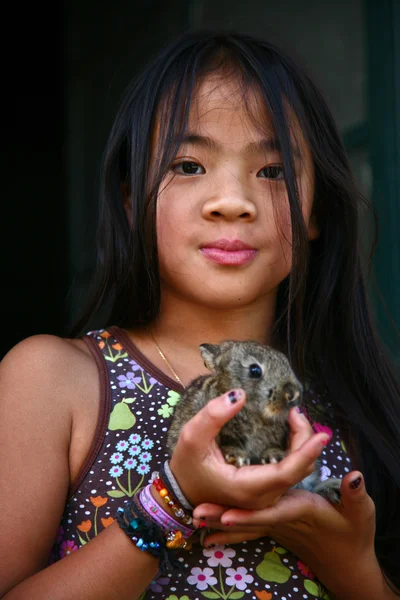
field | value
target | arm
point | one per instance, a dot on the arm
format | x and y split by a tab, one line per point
38	379
335	541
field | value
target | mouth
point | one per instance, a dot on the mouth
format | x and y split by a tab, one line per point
228	252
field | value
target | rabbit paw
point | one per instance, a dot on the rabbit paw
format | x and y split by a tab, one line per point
329	489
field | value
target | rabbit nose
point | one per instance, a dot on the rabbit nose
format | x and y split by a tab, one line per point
291	393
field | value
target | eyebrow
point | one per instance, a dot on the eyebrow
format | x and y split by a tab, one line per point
261	146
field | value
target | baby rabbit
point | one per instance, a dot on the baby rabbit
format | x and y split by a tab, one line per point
258	434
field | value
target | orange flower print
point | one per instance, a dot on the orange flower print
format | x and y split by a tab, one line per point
263	595
116	346
85	526
101	345
105	335
107	522
98	501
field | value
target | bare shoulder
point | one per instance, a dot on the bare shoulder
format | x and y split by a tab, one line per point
45	363
42	381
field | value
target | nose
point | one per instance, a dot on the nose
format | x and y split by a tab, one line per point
230	205
292	393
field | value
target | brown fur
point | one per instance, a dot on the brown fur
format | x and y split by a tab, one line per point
258	434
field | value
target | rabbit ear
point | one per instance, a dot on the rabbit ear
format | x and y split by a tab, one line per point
210	354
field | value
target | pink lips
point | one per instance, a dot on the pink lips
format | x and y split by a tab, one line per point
228	252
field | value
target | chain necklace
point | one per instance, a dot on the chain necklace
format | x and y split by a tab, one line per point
161	353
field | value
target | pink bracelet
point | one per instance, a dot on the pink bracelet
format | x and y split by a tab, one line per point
161	517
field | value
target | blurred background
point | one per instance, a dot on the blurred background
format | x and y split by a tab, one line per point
64	71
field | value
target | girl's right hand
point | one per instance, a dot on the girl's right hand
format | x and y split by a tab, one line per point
204	476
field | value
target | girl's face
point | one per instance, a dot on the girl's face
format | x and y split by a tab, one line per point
223	216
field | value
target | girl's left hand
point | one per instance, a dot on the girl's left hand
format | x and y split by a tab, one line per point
335	541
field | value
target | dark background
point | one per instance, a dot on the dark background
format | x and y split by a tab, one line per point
64	71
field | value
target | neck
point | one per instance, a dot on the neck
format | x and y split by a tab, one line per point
182	326
189	325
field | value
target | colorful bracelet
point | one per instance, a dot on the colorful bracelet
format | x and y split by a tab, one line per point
168	477
168	499
162	518
147	537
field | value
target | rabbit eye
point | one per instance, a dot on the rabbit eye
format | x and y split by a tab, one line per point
255	371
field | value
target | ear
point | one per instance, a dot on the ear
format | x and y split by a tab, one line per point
312	228
127	201
210	354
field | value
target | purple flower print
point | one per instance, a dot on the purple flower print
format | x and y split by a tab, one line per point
219	556
325	473
202	578
155	586
135	366
60	534
67	547
238	577
129	380
152	380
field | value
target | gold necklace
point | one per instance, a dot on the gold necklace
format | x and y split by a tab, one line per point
161	353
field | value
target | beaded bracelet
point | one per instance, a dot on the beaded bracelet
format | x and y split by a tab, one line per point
167	497
162	518
147	537
168	477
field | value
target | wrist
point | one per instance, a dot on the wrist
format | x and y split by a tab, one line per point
368	581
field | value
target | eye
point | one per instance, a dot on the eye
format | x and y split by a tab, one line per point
188	167
274	172
255	371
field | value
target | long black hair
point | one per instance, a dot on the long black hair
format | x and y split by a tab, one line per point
323	321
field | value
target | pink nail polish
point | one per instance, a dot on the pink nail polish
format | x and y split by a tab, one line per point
325	441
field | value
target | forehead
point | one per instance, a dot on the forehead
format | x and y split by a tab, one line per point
222	105
236	115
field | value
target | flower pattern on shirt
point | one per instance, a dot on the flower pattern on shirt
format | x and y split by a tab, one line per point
132	447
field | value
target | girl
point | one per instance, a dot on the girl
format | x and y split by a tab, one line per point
228	211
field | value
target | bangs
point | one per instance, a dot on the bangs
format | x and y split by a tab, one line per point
261	86
268	93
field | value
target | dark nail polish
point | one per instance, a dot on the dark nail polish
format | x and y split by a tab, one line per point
232	397
355	484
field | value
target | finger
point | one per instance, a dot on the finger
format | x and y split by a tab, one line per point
230	537
300	463
300	429
356	504
209	512
295	505
203	428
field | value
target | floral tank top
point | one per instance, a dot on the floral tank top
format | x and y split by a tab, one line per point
137	403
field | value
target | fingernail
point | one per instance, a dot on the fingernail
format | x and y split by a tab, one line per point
228	524
298	409
325	441
234	395
202	525
353	485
